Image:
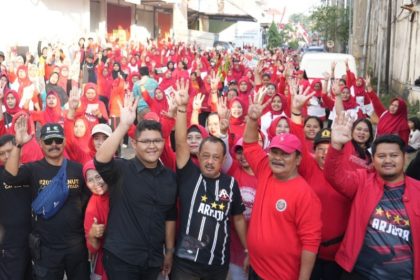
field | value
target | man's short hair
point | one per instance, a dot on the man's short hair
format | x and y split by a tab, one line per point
6	138
148	125
213	139
388	139
144	71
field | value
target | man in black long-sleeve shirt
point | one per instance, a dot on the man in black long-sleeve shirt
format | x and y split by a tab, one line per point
142	209
62	244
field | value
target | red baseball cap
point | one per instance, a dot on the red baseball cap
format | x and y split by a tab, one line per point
286	142
151	116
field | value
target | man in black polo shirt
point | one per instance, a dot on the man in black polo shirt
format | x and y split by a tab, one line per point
62	242
15	221
208	200
142	209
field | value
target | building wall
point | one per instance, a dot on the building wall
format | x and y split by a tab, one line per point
27	21
404	50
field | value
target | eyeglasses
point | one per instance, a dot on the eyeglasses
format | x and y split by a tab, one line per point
150	141
57	141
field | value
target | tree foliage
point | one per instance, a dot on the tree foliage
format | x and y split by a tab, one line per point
332	23
274	39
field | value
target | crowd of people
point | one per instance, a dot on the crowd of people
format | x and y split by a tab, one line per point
242	169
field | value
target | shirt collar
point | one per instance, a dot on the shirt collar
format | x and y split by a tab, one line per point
140	166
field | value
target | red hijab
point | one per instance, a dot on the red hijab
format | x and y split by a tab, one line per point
360	90
271	131
395	123
22	82
241	119
86	102
284	105
319	91
12	111
53	115
350	103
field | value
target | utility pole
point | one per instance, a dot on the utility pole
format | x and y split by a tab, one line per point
388	45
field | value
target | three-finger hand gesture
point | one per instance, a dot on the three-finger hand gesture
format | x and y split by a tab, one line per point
198	101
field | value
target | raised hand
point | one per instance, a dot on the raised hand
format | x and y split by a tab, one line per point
21	130
256	106
198	101
335	88
128	109
341	130
299	97
214	81
222	108
74	98
326	76
171	106
181	94
368	80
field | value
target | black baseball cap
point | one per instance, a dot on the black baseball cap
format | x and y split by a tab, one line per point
52	130
323	136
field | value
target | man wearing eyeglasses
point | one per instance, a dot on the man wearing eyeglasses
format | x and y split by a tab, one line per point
58	243
141	221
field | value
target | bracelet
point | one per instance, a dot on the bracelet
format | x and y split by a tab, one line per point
181	111
296	114
169	250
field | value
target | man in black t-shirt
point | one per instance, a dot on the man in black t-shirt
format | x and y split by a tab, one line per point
62	246
142	195
15	221
208	200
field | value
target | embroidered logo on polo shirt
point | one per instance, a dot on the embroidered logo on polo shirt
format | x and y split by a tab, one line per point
281	205
223	195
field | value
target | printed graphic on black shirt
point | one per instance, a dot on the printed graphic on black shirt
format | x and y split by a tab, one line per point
206	205
387	249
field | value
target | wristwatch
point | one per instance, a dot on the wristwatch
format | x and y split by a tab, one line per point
19	146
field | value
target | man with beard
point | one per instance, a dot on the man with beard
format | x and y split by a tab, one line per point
57	243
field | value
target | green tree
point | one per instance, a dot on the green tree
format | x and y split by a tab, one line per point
274	38
332	23
300	18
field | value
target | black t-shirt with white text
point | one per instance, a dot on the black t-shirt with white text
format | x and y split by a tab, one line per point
387	251
206	206
65	229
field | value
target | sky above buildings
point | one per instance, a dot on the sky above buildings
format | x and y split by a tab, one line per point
293	6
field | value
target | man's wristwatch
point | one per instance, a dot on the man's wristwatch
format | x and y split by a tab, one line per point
169	250
19	146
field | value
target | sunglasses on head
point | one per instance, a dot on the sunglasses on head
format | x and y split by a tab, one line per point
57	141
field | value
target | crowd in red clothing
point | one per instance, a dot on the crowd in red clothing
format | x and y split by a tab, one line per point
85	92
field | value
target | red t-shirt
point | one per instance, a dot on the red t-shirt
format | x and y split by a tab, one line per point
286	219
335	206
248	186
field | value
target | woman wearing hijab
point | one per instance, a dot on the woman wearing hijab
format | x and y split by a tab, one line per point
52	112
158	103
237	119
11	103
391	121
278	107
25	88
52	85
91	107
96	217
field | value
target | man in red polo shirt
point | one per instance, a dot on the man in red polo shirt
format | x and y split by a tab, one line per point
285	228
